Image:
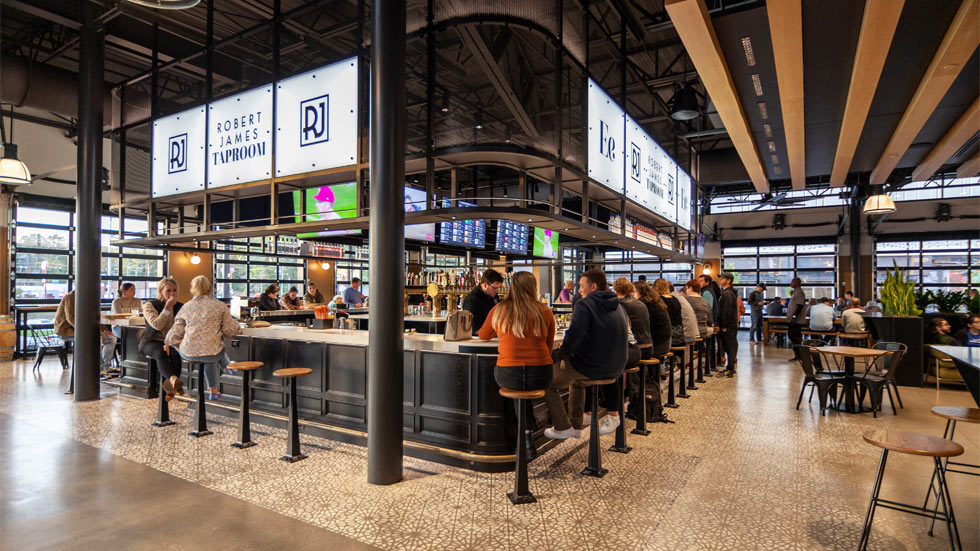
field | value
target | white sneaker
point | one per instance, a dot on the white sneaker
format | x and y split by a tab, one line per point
609	424
550	432
586	419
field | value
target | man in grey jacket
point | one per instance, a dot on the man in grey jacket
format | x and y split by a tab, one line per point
796	314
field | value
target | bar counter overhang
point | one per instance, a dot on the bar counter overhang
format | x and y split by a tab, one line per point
452	412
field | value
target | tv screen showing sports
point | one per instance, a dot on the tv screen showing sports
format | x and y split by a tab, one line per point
415	201
325	203
545	243
512	237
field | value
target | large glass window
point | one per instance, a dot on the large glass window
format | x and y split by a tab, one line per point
776	266
254	264
947	264
633	265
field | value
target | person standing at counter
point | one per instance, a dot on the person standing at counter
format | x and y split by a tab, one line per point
661	288
796	314
352	295
728	321
526	329
483	297
313	296
159	315
291	301
200	329
565	295
269	299
688	318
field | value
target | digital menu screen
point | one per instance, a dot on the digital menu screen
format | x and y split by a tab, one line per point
464	233
512	237
545	243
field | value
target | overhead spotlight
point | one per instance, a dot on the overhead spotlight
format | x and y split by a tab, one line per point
444	107
707	268
684	105
324	265
507	135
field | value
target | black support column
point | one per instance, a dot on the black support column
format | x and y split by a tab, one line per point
88	215
387	243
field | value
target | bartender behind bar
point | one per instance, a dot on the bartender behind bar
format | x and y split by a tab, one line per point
483	297
352	295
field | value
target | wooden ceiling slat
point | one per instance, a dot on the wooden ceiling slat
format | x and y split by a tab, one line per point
786	29
961	40
964	129
693	25
877	30
970	167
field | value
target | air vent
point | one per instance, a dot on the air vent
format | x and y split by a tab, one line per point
749	53
768	130
757	84
762	110
772	146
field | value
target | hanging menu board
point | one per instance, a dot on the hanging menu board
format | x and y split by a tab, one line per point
179	153
240	138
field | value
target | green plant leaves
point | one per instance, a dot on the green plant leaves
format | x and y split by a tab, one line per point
897	294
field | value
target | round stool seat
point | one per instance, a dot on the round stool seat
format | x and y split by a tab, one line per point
967	415
595	382
634	369
699	339
521	394
651	361
679	348
292	372
667	355
245	366
913	443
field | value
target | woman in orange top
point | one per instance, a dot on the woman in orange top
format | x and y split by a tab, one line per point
526	329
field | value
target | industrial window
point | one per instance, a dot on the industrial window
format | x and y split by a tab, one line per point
251	265
776	266
950	265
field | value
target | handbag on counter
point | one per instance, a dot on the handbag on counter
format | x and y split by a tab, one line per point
459	326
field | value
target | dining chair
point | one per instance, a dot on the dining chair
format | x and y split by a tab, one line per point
822	381
875	385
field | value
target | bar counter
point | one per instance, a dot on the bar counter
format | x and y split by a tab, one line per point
452	412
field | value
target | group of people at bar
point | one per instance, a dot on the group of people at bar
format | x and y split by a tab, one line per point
271	300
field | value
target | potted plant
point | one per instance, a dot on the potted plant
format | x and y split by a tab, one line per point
900	322
897	294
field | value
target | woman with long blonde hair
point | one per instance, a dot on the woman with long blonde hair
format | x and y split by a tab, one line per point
526	329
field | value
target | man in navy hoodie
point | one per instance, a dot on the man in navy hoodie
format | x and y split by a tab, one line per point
594	347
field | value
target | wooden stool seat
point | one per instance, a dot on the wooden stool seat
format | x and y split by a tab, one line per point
678	348
245	366
594	382
651	361
912	443
634	369
699	339
667	355
292	372
521	394
966	415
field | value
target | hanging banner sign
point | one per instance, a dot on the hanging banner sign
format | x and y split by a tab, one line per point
240	138
178	153
606	137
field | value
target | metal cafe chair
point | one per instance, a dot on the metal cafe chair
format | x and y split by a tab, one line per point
45	342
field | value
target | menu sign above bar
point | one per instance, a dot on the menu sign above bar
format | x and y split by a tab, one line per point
178	152
240	138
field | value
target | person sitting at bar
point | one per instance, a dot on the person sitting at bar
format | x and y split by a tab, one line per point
159	315
483	297
939	333
662	289
64	317
352	295
594	347
526	329
337	302
312	296
970	335
688	318
291	301
660	330
822	315
199	332
124	303
840	305
700	306
775	307
639	320
565	295
851	319
269	299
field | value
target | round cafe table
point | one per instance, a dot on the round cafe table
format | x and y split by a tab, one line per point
849	353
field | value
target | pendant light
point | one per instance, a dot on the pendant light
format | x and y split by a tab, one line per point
13	172
167	4
684	106
879	204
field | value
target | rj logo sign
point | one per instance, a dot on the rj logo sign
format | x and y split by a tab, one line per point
177	154
314	119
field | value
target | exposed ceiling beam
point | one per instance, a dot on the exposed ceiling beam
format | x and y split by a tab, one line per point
961	40
786	29
693	25
970	167
42	13
877	30
964	129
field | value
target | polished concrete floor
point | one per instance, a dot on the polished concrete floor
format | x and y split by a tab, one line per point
740	469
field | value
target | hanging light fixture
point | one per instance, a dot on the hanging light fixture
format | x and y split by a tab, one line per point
880	203
167	4
445	102
13	172
684	105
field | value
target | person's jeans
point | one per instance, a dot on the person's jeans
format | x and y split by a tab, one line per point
564	375
755	333
528	377
169	365
108	347
212	366
729	341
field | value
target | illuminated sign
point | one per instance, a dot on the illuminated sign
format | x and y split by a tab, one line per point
179	153
240	138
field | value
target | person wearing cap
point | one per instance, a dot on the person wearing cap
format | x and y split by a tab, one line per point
313	295
291	301
728	319
757	300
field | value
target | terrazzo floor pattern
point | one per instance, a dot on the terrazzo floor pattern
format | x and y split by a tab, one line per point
740	469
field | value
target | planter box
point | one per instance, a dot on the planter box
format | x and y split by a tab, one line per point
906	330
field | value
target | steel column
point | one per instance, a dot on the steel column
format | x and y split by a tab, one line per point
88	206
387	243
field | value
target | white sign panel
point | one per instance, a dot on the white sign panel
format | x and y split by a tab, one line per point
684	197
646	165
178	152
240	138
316	119
606	139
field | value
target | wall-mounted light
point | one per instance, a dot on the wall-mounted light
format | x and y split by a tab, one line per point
324	266
193	258
707	268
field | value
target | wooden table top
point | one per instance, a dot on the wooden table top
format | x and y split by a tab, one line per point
852	351
913	443
967	415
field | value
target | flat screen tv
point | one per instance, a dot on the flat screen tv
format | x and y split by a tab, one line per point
463	233
415	201
512	237
545	243
325	203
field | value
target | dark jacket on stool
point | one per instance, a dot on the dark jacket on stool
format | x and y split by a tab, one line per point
595	341
479	304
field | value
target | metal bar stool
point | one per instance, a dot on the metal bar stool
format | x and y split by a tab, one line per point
594	467
680	352
668	359
620	445
952	414
916	444
200	412
244	420
699	344
521	493
641	420
293	453
690	364
163	407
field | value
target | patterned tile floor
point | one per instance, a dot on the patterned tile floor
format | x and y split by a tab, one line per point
740	469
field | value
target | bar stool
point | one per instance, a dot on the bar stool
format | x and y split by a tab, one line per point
668	359
952	414
200	413
244	420
594	467
915	444
681	352
521	493
690	363
641	421
163	408
293	453
620	445
699	343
